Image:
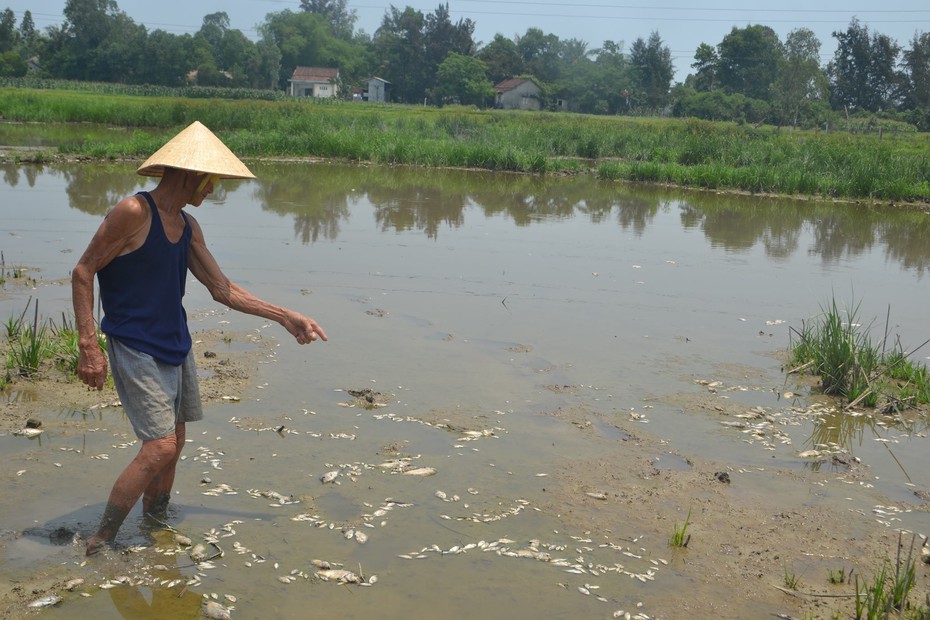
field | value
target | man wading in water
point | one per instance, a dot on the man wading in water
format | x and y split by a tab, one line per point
141	254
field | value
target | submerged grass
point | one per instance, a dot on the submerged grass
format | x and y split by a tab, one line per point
838	349
686	152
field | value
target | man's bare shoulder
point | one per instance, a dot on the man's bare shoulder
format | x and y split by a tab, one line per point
130	208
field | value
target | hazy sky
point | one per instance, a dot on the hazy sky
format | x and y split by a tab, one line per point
682	24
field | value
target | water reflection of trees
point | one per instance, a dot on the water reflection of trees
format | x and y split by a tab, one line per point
320	197
13	172
404	199
96	188
837	231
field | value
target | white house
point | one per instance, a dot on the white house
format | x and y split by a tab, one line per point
518	94
319	82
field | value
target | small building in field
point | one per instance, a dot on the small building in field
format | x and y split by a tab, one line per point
518	94
318	82
378	90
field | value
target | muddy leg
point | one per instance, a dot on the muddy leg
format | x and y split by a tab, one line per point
158	492
150	460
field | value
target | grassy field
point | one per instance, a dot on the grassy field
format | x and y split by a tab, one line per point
725	156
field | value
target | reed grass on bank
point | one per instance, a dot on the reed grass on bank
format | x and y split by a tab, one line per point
685	152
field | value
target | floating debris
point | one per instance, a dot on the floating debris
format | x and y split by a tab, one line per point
330	476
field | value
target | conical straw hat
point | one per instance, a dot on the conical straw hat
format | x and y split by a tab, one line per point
196	148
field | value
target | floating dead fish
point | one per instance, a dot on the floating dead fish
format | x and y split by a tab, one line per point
596	494
321	564
361	537
45	601
338	574
198	553
329	476
216	611
28	432
183	540
420	471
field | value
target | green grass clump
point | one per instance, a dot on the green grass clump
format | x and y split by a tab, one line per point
680	538
887	594
32	345
838	349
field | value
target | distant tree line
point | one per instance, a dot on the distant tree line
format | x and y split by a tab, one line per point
749	76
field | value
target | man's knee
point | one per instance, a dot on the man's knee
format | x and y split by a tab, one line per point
160	450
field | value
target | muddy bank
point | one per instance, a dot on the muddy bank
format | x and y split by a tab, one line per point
749	528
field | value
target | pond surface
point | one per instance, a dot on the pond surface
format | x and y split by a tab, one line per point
493	298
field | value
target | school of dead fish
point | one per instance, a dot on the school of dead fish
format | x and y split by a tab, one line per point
574	558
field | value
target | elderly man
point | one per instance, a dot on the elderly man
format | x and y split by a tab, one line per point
141	254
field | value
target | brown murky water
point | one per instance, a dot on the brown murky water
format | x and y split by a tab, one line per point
489	301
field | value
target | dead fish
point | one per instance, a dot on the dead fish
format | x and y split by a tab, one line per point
216	611
28	432
320	564
597	495
338	574
420	471
71	584
45	601
361	537
198	553
329	476
183	540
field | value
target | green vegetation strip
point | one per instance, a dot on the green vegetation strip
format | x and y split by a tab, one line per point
689	153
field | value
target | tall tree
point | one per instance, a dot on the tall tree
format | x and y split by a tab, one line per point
748	60
306	39
29	36
603	85
502	59
652	70
464	79
706	63
399	45
540	54
800	79
442	37
862	72
917	72
167	59
9	35
336	13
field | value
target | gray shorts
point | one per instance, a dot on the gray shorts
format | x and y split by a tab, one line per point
156	396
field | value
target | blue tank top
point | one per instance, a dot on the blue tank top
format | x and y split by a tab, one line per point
141	293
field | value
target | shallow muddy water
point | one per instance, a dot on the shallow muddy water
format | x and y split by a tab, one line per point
475	302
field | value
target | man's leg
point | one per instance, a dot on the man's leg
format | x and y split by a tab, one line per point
151	459
158	492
